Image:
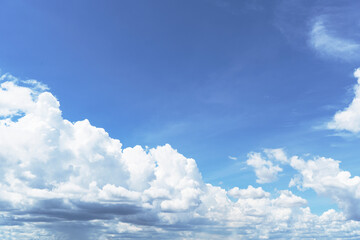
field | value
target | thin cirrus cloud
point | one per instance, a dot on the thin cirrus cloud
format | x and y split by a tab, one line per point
330	44
233	158
65	180
349	118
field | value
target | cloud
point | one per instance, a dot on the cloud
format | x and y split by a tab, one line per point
325	177
330	45
71	180
265	170
276	154
250	192
349	118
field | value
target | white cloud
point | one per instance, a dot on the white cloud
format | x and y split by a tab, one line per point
276	154
288	199
36	85
63	180
249	192
349	118
265	170
14	99
330	45
325	177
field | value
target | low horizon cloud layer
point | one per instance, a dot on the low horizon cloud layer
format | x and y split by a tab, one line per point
64	180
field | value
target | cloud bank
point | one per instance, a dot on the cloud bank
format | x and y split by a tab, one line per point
65	180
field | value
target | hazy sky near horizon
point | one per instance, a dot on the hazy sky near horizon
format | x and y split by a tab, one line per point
179	119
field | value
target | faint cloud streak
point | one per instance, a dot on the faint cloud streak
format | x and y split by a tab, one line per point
329	44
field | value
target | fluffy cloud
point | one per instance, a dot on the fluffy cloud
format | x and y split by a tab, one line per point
249	192
276	154
325	177
64	180
265	170
349	118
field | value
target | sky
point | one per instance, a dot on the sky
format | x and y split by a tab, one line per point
202	119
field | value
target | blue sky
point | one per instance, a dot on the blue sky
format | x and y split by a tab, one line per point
217	80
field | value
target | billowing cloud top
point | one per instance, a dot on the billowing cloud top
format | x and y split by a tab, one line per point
349	118
64	180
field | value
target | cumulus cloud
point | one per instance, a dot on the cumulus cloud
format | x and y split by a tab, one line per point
265	170
276	154
349	118
325	177
71	180
330	44
249	192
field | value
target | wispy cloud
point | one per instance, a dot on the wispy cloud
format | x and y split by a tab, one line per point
330	43
233	158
